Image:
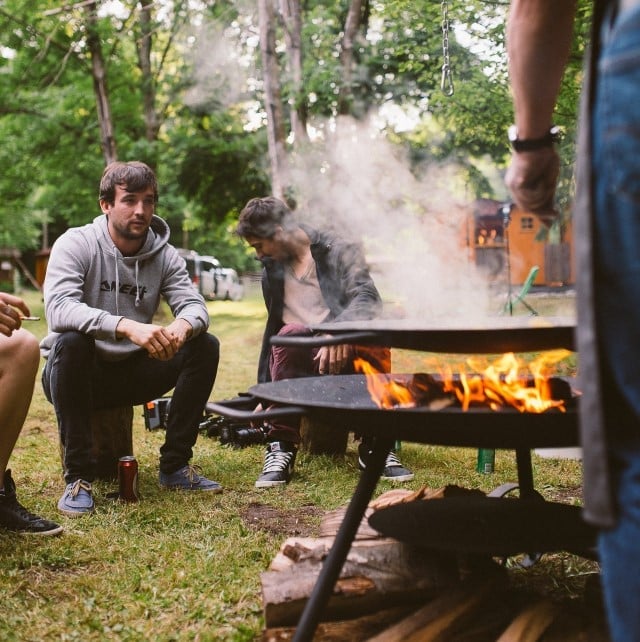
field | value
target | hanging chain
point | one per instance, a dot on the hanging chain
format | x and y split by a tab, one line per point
446	83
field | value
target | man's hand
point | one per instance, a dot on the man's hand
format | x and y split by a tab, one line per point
334	359
532	178
180	330
9	317
159	342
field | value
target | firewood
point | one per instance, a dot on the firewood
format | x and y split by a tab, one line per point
431	622
378	573
354	629
531	623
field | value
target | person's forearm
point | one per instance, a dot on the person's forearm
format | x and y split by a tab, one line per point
539	36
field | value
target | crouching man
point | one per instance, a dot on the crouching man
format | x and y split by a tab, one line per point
102	289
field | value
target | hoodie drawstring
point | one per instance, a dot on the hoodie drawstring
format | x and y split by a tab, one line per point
137	303
137	272
115	258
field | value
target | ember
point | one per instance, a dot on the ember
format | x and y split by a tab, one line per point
506	382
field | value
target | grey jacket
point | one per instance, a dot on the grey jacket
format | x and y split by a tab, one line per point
90	286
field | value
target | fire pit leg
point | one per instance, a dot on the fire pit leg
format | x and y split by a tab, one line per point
525	473
334	561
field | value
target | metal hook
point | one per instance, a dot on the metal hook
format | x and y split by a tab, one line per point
446	83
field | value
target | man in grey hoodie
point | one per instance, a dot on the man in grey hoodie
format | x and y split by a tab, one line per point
102	289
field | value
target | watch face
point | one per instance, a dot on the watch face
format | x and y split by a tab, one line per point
512	132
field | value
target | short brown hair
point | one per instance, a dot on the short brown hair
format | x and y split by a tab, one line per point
261	216
133	176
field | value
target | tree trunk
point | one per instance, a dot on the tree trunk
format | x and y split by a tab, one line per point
292	21
272	98
351	27
144	46
108	141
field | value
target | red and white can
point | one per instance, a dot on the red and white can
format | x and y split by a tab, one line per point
128	478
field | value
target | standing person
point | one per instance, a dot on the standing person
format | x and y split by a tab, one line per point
19	361
102	289
309	276
607	219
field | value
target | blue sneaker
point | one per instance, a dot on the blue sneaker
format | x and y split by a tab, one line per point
77	499
188	478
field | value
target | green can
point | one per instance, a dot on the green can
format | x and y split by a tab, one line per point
486	460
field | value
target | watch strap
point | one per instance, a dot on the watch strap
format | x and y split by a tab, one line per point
532	144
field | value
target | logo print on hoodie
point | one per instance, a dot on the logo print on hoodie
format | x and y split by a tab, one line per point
125	288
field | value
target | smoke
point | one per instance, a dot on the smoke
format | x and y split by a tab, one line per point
412	227
351	178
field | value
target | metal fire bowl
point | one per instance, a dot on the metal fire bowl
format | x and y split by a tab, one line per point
344	400
496	336
496	526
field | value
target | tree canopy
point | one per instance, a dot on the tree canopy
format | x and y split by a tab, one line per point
180	84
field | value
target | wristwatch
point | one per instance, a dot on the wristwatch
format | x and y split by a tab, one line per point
532	144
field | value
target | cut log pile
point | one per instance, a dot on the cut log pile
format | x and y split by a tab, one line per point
390	591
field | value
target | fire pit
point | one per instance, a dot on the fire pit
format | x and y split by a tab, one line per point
345	400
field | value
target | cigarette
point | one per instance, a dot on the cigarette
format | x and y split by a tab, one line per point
29	318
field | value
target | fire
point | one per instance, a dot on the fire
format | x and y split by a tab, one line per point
505	382
386	391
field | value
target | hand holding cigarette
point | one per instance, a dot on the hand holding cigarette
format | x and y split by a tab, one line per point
10	317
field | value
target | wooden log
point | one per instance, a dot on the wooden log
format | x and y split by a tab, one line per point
378	574
356	629
111	430
321	438
433	622
531	623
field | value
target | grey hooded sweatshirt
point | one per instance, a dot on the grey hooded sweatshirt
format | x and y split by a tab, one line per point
90	286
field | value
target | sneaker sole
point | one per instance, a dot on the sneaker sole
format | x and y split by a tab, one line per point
53	531
269	484
76	513
215	491
398	478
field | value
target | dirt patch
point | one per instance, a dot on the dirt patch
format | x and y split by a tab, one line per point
303	521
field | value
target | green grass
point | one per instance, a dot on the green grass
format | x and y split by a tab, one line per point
178	566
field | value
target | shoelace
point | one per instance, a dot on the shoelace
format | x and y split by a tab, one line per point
392	460
17	507
79	484
277	460
193	473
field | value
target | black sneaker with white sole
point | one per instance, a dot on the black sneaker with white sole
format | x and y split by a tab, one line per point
15	517
393	469
278	464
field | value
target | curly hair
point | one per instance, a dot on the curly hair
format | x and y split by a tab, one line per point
260	217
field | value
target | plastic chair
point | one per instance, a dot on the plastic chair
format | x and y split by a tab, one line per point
524	290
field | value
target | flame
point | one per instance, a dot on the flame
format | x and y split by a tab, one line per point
506	381
384	390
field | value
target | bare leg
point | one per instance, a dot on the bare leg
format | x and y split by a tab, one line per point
19	360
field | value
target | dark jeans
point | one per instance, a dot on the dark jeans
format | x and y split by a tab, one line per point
77	382
291	362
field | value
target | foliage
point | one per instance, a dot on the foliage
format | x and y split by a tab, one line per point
208	142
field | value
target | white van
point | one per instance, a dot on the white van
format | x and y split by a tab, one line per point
229	285
212	280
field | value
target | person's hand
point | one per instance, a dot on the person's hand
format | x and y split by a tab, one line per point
180	330
334	359
10	318
532	178
158	341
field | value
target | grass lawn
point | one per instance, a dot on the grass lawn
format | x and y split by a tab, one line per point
180	566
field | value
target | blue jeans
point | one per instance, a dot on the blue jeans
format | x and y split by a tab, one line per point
77	382
616	169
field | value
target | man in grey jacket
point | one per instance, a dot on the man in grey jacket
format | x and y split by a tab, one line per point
102	289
